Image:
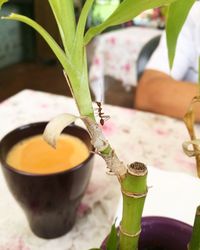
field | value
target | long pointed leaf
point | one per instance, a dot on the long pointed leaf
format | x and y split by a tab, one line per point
126	11
63	11
78	48
177	15
56	11
2	2
78	77
113	239
47	37
68	20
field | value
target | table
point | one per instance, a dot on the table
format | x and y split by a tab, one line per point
136	136
115	55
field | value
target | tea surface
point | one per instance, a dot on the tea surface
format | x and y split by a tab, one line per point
34	155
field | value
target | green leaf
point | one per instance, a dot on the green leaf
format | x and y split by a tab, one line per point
78	51
63	11
2	2
127	10
47	37
113	239
194	243
78	77
177	15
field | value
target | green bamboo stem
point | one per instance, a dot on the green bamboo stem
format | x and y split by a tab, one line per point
134	190
77	80
195	239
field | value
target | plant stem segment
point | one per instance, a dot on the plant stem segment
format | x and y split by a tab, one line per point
189	120
103	148
134	190
195	239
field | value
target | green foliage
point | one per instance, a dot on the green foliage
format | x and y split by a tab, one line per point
177	15
126	11
62	9
194	243
73	57
113	239
2	2
74	61
78	47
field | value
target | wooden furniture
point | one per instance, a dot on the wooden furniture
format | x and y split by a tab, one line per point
44	16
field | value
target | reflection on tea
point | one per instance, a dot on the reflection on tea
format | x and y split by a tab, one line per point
34	155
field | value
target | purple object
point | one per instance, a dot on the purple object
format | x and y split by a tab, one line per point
162	233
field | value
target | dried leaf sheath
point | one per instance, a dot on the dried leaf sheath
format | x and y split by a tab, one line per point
189	120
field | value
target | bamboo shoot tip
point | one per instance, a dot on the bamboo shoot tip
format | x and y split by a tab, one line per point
137	168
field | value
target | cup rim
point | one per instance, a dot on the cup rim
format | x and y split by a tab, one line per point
164	219
4	164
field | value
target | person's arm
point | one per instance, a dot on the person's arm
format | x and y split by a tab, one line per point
158	92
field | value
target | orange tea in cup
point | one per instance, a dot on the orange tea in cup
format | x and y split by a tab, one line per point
34	155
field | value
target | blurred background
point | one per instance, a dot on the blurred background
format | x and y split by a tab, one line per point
26	62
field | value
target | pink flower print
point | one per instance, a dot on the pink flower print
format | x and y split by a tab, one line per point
128	112
126	67
112	40
44	105
162	132
92	188
158	164
109	128
96	61
83	209
185	163
15	244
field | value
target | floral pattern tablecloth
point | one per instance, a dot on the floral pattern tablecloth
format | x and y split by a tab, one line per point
115	55
136	136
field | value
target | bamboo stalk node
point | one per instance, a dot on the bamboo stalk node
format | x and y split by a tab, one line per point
134	195
137	169
97	138
110	172
198	211
128	234
114	165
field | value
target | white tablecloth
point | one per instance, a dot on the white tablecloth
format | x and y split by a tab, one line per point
115	55
136	136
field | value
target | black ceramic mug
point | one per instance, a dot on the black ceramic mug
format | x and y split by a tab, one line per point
50	201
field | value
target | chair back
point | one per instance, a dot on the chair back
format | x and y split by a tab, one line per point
145	54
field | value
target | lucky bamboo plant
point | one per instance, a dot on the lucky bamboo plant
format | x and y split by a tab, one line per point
72	56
